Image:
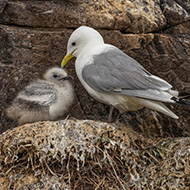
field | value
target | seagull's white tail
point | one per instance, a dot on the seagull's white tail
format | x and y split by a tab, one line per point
158	106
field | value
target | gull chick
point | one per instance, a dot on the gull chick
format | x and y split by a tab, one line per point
41	100
116	79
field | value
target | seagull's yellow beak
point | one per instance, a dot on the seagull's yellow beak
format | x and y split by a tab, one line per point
66	59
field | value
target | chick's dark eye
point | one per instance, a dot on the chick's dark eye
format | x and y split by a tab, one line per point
55	76
73	44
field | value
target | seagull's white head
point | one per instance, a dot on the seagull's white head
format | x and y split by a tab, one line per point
82	37
56	75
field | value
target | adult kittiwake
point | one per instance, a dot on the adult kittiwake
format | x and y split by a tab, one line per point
116	79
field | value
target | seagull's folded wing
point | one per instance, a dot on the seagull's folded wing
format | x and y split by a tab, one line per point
40	92
115	72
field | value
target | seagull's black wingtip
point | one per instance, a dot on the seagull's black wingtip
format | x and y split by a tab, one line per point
181	101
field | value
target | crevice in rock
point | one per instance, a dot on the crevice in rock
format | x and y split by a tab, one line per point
156	32
79	102
52	29
168	27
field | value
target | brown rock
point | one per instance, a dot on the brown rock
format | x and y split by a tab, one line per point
175	11
128	16
34	36
43	14
3	3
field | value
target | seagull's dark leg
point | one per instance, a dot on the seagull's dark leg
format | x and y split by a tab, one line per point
118	116
110	114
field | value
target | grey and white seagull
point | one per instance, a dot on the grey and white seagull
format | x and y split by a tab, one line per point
46	99
114	78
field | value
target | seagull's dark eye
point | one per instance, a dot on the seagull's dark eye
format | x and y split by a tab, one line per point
55	76
73	44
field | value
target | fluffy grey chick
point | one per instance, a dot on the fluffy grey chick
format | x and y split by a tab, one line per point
42	100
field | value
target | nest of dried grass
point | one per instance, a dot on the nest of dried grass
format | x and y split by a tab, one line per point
84	154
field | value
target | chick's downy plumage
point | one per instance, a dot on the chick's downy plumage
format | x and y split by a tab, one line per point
43	99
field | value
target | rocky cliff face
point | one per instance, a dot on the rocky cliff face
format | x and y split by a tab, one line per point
33	37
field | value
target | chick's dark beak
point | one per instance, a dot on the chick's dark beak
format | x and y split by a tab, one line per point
69	77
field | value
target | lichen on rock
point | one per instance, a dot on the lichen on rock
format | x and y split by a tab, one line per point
83	153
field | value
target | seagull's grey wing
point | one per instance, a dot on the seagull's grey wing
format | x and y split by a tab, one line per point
40	92
116	72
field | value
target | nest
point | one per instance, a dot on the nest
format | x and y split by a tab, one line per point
84	154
